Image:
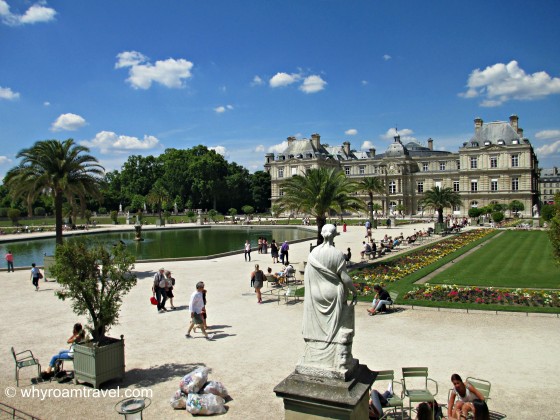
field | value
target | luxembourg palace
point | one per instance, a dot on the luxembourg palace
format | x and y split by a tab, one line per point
497	165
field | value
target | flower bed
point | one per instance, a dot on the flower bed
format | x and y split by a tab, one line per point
484	295
391	271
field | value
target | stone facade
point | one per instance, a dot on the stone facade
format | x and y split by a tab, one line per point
549	184
497	165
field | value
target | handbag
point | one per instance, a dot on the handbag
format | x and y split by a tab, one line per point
153	300
39	275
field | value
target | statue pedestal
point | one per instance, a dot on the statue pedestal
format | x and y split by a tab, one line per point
311	397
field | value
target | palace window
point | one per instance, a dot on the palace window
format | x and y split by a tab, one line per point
494	185
493	161
392	187
456	186
280	172
515	184
514	161
474	162
458	165
425	166
442	166
420	186
362	170
474	185
347	170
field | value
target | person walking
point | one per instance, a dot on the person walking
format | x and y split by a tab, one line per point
247	250
284	253
257	280
170	285
158	290
274	251
196	306
10	260
35	276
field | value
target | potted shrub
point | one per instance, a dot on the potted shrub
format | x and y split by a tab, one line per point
95	278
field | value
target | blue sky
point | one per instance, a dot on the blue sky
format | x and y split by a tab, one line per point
136	77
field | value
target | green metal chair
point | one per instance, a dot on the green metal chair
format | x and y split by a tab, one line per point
415	386
482	385
394	402
24	359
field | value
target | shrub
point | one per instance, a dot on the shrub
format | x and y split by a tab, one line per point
14	215
102	210
474	212
4	211
114	215
497	216
39	211
547	212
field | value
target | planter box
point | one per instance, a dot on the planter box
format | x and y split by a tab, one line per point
98	364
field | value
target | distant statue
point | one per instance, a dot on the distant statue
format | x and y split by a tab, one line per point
328	319
535	211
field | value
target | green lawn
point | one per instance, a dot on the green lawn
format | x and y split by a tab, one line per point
514	259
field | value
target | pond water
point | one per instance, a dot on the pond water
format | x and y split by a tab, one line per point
165	243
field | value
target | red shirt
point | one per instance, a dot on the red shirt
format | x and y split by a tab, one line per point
10	257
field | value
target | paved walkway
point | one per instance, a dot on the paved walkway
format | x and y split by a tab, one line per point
257	346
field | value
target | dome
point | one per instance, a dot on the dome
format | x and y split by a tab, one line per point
396	149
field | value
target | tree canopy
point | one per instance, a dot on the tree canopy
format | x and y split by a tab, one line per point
318	192
440	198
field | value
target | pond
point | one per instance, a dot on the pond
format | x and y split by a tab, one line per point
165	243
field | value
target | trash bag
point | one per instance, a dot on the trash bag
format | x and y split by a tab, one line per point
216	388
205	404
179	400
193	381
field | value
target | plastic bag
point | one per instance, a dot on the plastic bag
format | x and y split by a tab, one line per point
205	404
179	400
192	382
216	388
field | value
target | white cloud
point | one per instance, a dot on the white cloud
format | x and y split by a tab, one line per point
68	122
46	103
7	93
35	14
405	133
259	148
4	159
365	82
283	79
549	149
108	141
170	73
221	109
504	82
547	134
221	150
312	84
278	148
257	81
387	57
366	145
351	132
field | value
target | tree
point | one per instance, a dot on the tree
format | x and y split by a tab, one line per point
516	206
474	212
547	212
372	186
400	208
554	229
158	196
95	279
212	214
497	216
62	169
318	192
248	209
439	198
14	215
260	190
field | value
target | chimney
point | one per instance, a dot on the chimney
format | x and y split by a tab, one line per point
269	157
372	152
316	141
520	132
477	124
513	121
346	147
291	139
430	144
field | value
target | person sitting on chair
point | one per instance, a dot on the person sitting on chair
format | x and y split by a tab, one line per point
78	334
382	298
462	398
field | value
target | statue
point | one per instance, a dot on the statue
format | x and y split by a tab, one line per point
328	319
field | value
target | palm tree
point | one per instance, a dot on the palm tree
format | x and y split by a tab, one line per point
158	196
317	192
62	169
372	186
438	198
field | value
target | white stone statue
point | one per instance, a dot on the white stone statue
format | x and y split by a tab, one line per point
328	319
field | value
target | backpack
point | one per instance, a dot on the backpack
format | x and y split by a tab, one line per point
162	282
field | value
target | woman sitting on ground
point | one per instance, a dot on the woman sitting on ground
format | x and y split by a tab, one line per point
78	335
462	398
